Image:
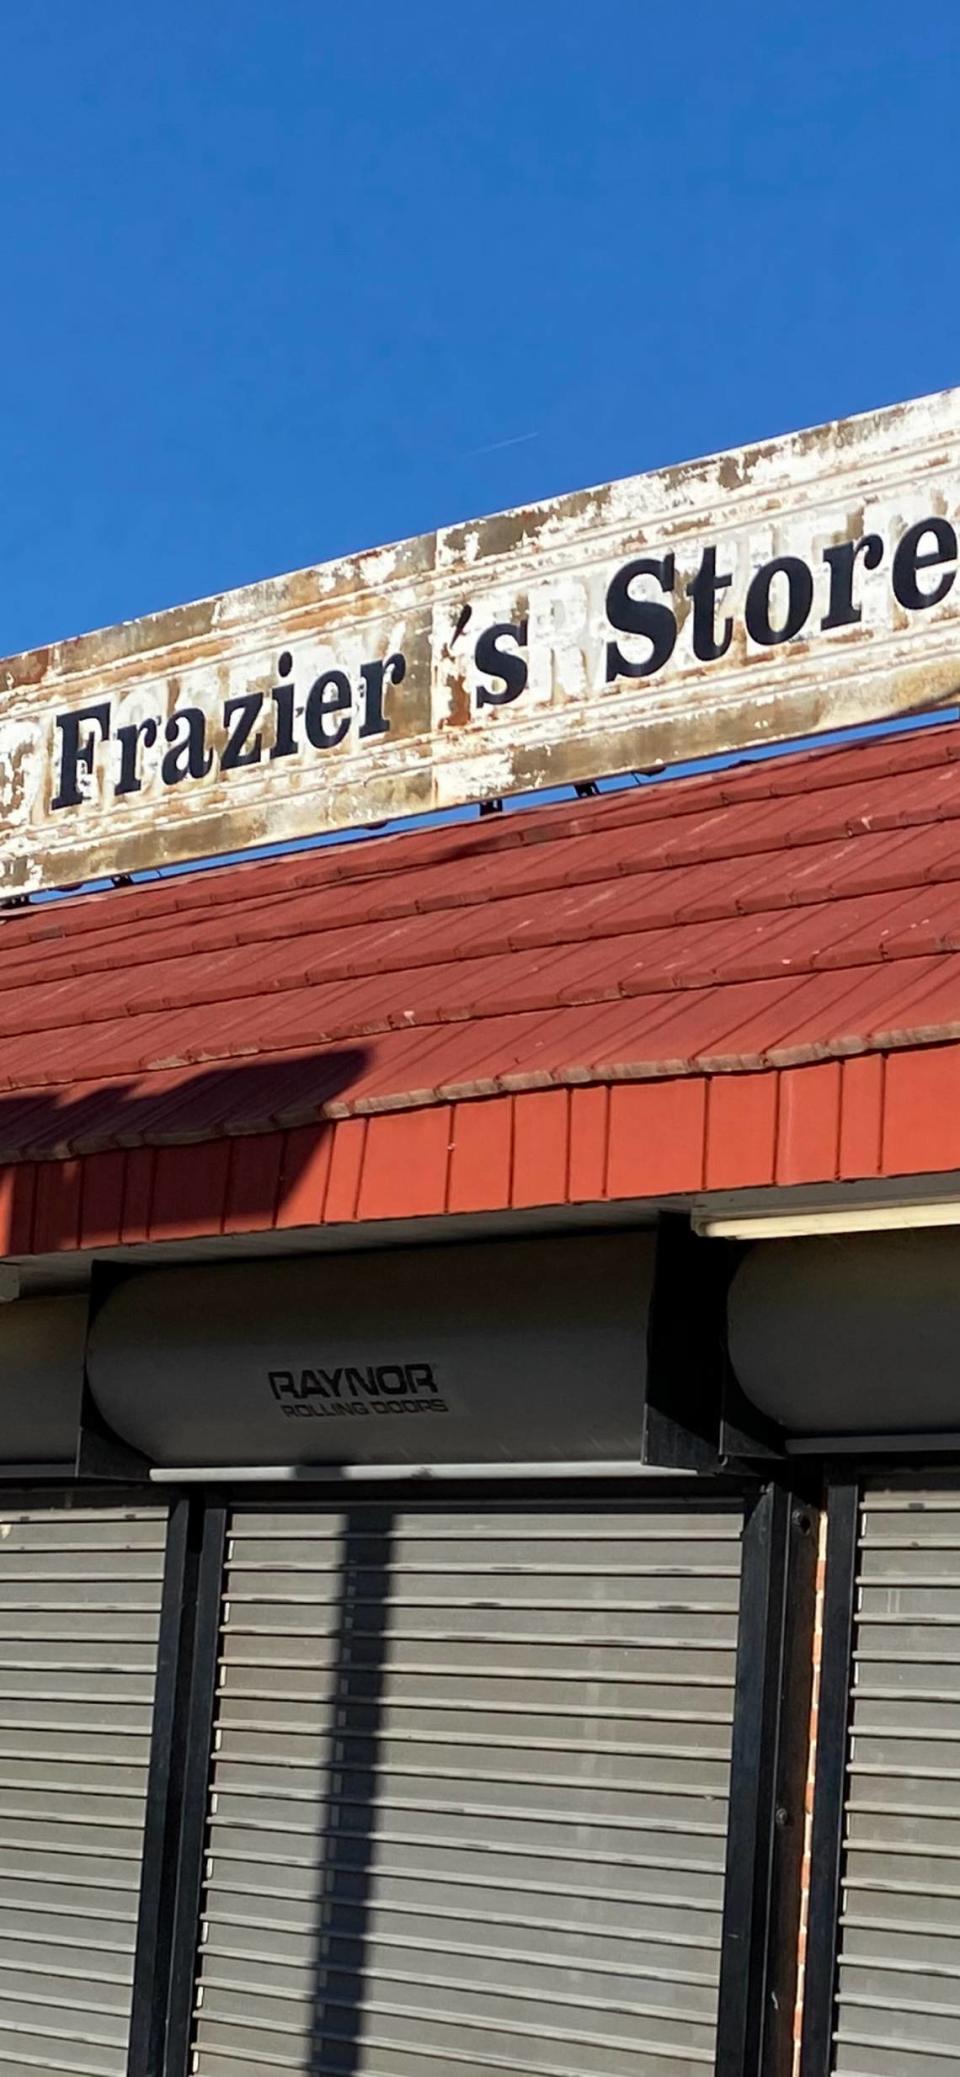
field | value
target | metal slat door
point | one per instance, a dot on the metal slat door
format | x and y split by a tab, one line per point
898	1983
468	1802
79	1612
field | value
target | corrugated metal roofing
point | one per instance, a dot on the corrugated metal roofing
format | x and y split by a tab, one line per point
804	910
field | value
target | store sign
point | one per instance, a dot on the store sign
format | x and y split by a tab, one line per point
803	584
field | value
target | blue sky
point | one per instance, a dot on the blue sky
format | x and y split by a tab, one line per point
282	279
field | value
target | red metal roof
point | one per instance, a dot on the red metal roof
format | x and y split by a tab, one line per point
732	939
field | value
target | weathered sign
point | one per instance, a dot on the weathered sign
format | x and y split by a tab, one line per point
802	584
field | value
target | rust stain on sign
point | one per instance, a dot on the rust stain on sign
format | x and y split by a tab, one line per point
803	584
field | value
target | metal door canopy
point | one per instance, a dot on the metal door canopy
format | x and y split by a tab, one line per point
802	584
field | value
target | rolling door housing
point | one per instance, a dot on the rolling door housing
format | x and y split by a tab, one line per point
80	1591
468	1799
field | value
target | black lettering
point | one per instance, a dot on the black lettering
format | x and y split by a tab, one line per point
842	563
188	756
799	580
909	558
654	622
326	1381
420	1377
501	663
77	746
705	589
282	1384
236	753
376	678
329	697
130	737
391	1377
285	740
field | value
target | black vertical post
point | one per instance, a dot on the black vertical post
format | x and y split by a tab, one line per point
197	1725
159	1835
685	1335
843	1507
766	1782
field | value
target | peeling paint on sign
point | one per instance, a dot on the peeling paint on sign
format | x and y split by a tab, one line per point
804	584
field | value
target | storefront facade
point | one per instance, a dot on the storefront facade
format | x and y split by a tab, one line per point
486	1769
479	1451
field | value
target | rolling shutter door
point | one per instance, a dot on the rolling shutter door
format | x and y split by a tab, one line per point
898	1988
79	1609
468	1795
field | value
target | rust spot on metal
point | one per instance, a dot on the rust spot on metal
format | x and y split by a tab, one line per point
458	708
